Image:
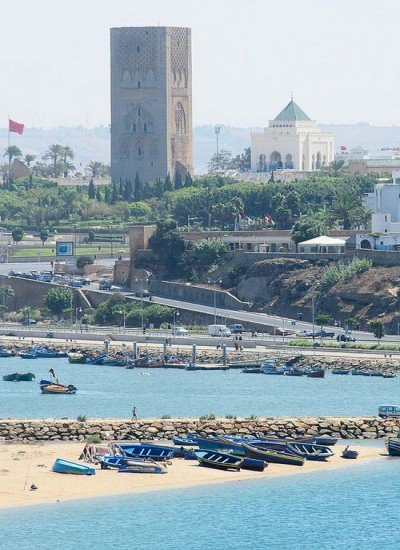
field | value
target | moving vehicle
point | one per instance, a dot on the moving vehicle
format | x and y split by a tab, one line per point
105	284
325	333
141	293
389	411
219	330
75	283
27	322
345	338
236	328
179	331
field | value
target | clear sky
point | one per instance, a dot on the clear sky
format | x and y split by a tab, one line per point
340	58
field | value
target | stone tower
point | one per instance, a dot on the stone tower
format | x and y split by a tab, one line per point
151	102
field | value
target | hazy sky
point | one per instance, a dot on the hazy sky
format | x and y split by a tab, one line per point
340	58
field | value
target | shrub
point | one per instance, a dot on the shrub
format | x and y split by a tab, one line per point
165	416
342	273
81	418
84	260
94	438
58	299
206	417
230	417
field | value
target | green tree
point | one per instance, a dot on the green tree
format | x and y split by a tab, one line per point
12	152
91	190
84	260
168	183
306	228
98	194
55	155
95	168
44	235
29	158
188	180
138	189
242	162
6	293
168	245
378	328
17	234
335	167
178	180
322	319
114	194
58	299
91	236
220	162
347	208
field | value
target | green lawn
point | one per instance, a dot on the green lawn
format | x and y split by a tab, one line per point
44	252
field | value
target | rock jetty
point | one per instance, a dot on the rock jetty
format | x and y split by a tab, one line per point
162	429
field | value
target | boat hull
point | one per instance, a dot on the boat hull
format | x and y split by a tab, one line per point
271	456
17	377
61	466
220	461
310	452
393	447
48	387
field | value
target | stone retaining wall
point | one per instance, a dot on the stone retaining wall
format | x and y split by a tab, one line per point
151	429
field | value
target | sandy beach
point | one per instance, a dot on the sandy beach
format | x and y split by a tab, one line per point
22	465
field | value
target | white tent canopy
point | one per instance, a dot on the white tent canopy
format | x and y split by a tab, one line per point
323	240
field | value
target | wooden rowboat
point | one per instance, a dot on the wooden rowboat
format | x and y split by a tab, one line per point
61	466
310	452
270	455
215	459
52	388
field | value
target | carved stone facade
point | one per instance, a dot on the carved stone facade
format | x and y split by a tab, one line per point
151	102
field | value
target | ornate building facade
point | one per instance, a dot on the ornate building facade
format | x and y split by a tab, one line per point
292	141
151	102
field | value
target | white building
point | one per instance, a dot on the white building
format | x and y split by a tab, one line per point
385	223
291	141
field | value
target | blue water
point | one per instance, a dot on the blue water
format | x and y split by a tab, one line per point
112	391
352	509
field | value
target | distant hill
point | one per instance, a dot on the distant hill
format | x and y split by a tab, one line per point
94	143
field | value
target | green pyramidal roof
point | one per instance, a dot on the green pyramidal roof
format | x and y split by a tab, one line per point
292	112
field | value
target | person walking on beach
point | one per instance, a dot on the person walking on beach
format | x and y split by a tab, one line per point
134	415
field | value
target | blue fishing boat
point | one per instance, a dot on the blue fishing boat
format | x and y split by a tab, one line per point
19	377
393	446
273	456
310	452
269	367
215	459
146	451
184	441
5	352
253	464
66	467
341	371
327	441
191	366
130	465
347	453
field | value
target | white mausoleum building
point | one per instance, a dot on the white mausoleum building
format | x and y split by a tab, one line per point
291	141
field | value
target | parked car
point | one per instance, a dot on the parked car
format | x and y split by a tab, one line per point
27	322
219	330
179	331
105	284
325	334
15	273
75	283
389	411
305	333
345	338
236	328
141	293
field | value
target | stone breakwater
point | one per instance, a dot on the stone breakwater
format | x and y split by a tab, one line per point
161	429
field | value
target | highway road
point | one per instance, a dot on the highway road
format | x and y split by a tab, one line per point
223	315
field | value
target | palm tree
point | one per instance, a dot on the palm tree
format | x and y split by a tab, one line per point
67	167
66	155
6	292
54	154
96	168
335	167
28	159
347	209
12	152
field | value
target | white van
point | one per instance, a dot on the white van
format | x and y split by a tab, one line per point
389	411
219	330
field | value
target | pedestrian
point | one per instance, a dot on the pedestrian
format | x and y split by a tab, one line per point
144	330
219	345
236	346
134	415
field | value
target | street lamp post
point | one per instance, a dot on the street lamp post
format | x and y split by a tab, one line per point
123	313
77	311
214	282
217	131
141	280
175	314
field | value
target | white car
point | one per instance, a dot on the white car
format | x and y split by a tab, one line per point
179	331
305	333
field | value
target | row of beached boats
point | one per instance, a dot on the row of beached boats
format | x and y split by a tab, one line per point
288	369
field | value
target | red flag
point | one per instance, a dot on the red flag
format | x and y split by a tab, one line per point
15	127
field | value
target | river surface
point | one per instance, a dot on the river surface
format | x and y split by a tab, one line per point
347	509
112	392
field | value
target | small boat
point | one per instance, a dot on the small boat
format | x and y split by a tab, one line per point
5	352
175	361
269	367
252	370
77	357
359	372
18	377
270	455
28	355
310	452
393	447
215	459
191	366
327	441
347	453
184	441
142	468
315	373
376	373
129	465
388	375
341	371
66	467
146	451
253	464
148	361
51	387
294	372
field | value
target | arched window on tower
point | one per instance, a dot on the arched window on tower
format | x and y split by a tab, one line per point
180	119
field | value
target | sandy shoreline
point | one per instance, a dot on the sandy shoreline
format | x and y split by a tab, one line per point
22	465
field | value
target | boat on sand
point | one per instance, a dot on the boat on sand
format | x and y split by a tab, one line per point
215	459
61	466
